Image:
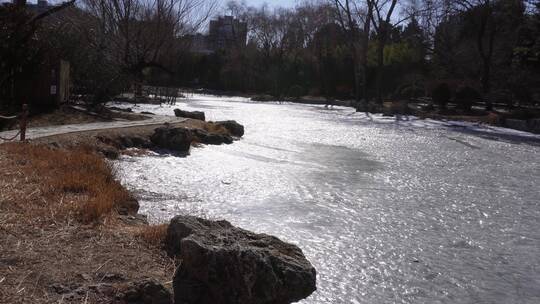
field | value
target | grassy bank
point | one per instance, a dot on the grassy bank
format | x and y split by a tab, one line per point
64	227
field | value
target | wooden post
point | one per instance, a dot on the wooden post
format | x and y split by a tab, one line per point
23	121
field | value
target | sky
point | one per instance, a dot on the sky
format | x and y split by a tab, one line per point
275	3
286	3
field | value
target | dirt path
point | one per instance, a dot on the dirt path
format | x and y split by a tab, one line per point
34	133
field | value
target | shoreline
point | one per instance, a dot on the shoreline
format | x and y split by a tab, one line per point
70	232
122	252
505	119
94	247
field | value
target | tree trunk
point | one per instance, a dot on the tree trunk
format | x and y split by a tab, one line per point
380	67
356	82
486	84
365	47
486	55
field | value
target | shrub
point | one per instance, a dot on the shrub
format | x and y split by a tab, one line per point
409	92
494	119
465	97
441	94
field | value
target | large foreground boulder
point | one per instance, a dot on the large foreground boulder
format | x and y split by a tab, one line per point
222	264
232	126
187	114
177	139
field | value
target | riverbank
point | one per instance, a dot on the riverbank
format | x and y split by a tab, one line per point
70	114
521	119
71	233
111	142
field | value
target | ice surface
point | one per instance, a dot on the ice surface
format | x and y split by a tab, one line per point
416	211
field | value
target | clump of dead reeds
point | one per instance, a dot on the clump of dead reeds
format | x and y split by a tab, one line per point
154	234
80	174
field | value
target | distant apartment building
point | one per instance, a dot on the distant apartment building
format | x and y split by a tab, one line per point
224	33
39	7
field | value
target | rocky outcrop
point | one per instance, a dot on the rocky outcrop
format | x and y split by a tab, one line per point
113	290
145	291
222	264
212	138
176	139
232	126
187	114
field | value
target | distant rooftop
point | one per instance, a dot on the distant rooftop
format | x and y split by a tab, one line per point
38	7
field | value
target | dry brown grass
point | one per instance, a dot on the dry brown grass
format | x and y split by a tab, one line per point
211	127
46	196
83	177
154	235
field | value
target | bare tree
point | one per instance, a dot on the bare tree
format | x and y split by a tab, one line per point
142	34
381	18
350	14
485	38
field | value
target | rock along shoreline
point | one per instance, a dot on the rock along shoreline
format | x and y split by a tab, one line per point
216	262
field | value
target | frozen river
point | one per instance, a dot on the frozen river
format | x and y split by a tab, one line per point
388	212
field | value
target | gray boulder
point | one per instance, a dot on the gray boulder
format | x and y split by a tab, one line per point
177	139
146	291
232	126
212	138
222	264
187	114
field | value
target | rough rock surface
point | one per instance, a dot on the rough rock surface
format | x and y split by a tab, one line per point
212	138
187	114
177	139
224	264
232	126
146	292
